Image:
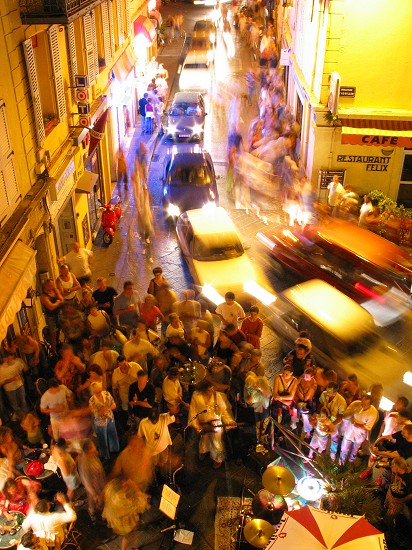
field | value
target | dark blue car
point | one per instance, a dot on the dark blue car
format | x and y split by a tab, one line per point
189	182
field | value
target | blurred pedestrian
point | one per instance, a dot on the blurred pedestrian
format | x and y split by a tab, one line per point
149	112
121	168
79	260
102	406
93	478
142	111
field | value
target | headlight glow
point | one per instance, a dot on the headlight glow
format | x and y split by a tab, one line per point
386	404
407	378
173	210
254	289
212	294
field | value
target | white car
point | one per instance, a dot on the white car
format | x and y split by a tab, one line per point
216	258
343	336
196	74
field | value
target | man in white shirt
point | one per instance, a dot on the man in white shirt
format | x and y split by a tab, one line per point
123	376
55	402
49	526
79	261
172	391
11	380
336	192
155	431
335	404
137	349
362	417
230	312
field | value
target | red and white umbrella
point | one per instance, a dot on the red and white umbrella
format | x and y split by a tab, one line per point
311	529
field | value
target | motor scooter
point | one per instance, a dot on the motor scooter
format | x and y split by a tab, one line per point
111	214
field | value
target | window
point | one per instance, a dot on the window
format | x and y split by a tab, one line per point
43	62
405	187
9	190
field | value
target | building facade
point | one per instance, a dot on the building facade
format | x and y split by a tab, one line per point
68	95
348	74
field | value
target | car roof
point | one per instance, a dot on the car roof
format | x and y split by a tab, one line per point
329	308
196	56
361	242
188	97
180	159
203	24
208	221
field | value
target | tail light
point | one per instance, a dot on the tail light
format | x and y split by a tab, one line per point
369	292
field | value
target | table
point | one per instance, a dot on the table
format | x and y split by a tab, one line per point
44	475
13	538
192	373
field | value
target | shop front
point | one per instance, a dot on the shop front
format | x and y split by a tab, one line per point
374	153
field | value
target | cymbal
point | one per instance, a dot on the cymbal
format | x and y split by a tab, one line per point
269	507
278	480
258	532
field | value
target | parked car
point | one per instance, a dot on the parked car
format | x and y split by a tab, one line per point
185	119
216	258
196	74
343	336
205	28
189	181
364	266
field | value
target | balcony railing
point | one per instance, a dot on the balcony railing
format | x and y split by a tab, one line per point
54	11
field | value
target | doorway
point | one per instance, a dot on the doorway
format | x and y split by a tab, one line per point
67	229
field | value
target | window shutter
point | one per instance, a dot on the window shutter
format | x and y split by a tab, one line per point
120	21
95	49
71	41
128	22
35	91
89	46
9	189
106	33
53	33
111	25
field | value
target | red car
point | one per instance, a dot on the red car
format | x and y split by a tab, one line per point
371	270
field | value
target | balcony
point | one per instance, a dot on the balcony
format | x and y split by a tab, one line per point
49	12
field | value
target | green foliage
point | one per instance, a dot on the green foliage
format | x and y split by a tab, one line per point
331	119
346	493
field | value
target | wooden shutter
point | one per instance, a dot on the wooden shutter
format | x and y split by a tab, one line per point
9	189
95	48
35	91
53	33
128	22
71	42
105	7
89	30
120	21
111	25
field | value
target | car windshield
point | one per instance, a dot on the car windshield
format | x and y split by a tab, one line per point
189	175
203	25
185	109
221	246
195	66
200	44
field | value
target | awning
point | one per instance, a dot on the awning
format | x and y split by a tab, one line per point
86	182
97	132
125	64
16	276
143	25
381	133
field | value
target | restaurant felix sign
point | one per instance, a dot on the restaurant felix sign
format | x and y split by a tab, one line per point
373	164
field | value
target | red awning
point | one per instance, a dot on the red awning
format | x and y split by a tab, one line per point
97	132
125	64
143	25
388	133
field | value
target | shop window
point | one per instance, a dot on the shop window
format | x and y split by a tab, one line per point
405	186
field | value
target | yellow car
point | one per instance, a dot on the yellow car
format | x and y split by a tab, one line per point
216	258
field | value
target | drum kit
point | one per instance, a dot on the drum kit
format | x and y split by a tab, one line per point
268	506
